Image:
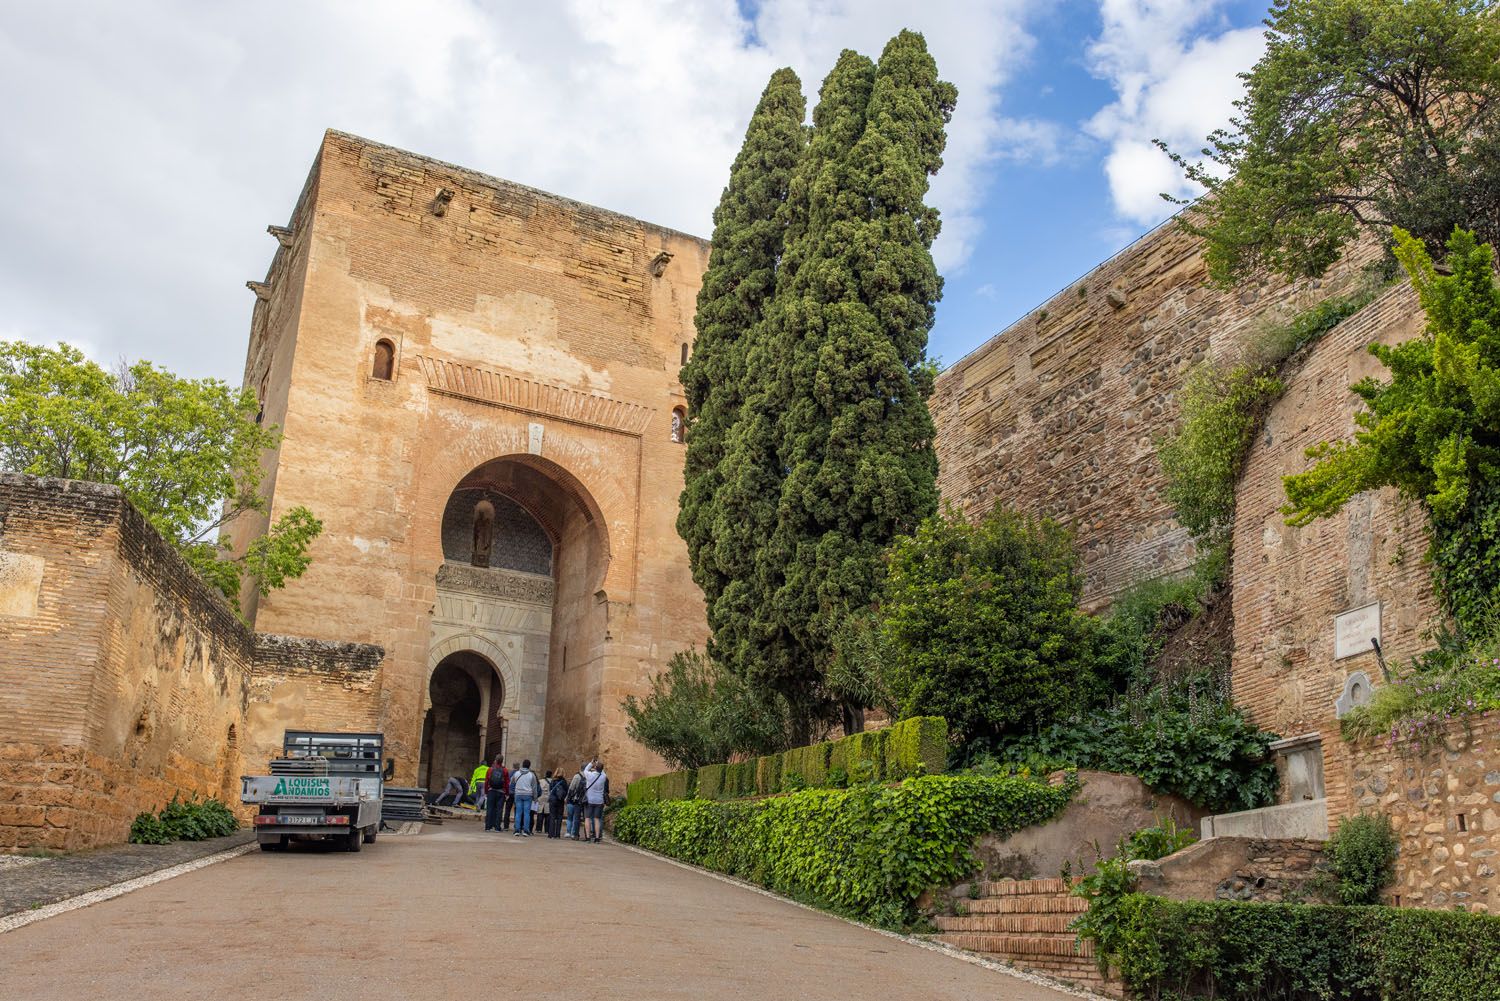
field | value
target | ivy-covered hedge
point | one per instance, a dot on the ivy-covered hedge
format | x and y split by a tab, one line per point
868	851
1253	951
916	746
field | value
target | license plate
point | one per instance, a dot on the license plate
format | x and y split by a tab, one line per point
293	819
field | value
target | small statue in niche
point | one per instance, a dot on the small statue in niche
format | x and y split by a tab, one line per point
484	533
677	426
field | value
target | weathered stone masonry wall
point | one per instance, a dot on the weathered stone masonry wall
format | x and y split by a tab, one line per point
1444	803
124	679
1059	413
1290	582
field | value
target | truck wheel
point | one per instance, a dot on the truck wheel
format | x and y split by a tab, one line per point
356	837
370	833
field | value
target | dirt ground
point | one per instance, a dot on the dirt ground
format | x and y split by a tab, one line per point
458	913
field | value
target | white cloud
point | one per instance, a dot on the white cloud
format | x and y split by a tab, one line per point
1174	68
149	145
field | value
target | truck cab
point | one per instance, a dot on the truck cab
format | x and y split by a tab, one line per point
325	786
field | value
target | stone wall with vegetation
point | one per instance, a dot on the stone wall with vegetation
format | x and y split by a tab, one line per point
1289	582
125	680
1060	413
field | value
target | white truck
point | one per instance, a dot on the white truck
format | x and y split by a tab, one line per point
325	786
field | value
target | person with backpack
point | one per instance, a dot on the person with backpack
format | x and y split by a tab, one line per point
496	781
523	790
595	794
557	793
509	796
575	801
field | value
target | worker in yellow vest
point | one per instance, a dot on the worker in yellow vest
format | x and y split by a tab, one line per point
476	784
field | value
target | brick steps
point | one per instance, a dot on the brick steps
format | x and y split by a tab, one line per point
1007	923
1026	923
1020	945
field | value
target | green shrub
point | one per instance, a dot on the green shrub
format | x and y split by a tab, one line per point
1140	618
1157	842
1362	856
916	746
869	851
1235	951
184	820
697	713
1110	885
981	625
147	829
1185	738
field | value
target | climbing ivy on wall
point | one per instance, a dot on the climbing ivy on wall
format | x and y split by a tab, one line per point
1433	430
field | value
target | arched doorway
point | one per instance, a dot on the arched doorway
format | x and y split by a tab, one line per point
524	559
465	721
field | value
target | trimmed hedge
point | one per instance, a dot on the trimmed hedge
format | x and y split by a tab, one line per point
767	774
917	746
676	785
869	851
711	782
1250	951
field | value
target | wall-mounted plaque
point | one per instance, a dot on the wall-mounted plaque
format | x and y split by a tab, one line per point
1353	630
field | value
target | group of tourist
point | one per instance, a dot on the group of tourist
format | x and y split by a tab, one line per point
516	798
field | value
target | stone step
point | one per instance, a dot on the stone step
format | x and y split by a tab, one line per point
1023	887
1031	904
1011	923
1018	947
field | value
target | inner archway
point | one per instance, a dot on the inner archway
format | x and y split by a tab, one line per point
465	721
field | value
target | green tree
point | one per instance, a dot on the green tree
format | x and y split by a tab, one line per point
699	714
750	634
741	275
186	453
1433	430
980	625
848	330
1362	114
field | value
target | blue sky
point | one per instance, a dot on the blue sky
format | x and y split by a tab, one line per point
1049	221
149	145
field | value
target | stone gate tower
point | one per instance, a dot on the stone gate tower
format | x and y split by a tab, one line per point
477	387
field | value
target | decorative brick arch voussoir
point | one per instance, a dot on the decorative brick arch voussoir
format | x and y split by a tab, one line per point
445	469
471	642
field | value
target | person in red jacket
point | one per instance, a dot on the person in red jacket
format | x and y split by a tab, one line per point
496	783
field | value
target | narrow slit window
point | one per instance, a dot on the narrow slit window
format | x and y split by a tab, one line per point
684	353
385	360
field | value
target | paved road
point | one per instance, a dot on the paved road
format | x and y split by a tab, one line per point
457	913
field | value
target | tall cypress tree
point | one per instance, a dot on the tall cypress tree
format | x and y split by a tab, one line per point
753	636
741	275
854	304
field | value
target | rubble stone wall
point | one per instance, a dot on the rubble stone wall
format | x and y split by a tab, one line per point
125	680
1444	803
